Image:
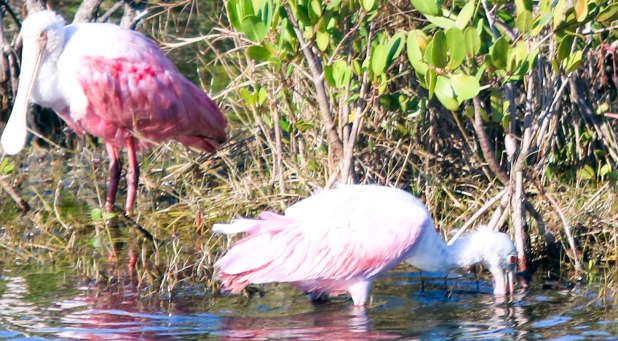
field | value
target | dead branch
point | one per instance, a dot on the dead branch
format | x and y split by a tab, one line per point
23	205
486	147
317	77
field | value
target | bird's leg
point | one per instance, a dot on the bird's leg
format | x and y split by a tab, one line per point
360	292
115	166
132	175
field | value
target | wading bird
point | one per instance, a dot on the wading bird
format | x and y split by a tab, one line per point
340	239
113	83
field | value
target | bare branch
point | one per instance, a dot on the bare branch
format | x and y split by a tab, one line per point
87	11
317	77
23	205
486	147
477	214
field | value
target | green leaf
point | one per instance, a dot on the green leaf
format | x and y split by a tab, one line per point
261	96
258	53
539	24
605	169
368	4
581	9
523	5
322	39
445	93
559	13
441	22
456	48
430	81
564	47
426	7
233	14
435	54
524	21
254	28
472	42
7	166
338	74
96	214
416	41
498	52
465	15
573	61
378	59
315	9
394	47
265	10
521	52
609	13
465	86
247	96
586	172
302	125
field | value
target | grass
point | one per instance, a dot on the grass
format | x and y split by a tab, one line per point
182	193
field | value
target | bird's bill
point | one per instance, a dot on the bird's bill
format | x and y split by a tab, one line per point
503	282
15	132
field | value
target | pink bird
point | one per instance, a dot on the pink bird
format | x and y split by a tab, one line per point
339	240
113	83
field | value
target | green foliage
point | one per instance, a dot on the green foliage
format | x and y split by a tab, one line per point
7	166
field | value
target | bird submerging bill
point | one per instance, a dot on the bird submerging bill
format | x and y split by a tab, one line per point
339	240
113	83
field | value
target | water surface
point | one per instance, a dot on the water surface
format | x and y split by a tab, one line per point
404	305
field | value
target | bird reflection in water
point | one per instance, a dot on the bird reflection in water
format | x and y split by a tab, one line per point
326	322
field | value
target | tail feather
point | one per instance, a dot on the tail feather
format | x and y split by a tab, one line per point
236	226
248	259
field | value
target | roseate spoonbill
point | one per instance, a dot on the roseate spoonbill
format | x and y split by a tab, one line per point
340	239
113	83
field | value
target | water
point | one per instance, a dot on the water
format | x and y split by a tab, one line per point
47	306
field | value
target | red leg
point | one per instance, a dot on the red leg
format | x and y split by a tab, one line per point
115	166
132	175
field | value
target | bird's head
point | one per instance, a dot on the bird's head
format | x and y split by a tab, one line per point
43	37
499	257
496	251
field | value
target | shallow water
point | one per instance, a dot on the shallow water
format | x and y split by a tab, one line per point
46	306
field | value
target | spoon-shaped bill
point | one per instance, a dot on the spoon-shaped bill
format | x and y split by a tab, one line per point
15	132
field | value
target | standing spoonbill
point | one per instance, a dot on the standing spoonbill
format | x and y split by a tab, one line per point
341	239
113	83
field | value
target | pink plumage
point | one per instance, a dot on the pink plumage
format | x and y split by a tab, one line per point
339	240
113	83
330	243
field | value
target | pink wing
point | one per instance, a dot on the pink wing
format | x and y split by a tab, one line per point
315	258
148	99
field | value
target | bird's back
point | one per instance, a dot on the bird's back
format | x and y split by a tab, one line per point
327	241
118	83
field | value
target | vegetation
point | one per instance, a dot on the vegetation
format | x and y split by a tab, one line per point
493	112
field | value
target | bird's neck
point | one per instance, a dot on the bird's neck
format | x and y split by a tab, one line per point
463	253
433	254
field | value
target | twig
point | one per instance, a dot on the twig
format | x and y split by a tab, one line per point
110	11
486	147
87	11
317	77
565	225
11	13
139	227
23	205
477	214
348	144
56	212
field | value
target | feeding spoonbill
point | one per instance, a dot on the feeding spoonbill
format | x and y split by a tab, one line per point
340	239
113	83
